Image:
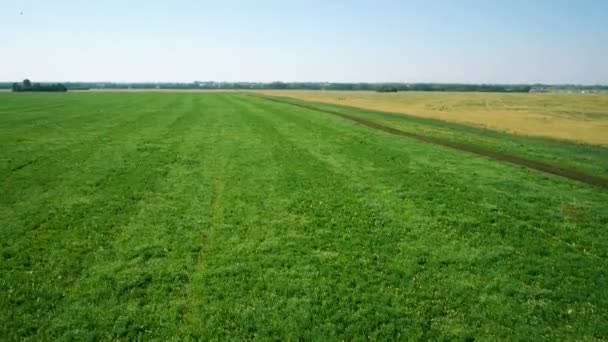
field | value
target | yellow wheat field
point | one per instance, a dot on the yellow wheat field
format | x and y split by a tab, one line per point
575	117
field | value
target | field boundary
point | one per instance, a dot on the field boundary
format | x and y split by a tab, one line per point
571	174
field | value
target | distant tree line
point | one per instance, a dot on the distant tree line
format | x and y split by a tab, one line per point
387	89
379	87
27	85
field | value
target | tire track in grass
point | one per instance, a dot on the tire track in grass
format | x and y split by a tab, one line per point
217	153
21	166
499	156
222	161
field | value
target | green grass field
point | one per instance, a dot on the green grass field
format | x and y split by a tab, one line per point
590	159
227	216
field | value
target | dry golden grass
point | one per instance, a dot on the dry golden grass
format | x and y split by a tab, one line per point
575	117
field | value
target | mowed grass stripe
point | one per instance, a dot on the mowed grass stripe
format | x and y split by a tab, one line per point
96	109
232	217
84	212
557	170
59	137
89	147
151	258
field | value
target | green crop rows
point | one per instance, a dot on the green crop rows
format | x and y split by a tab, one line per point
227	216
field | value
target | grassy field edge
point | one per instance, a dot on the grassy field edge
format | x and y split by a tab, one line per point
543	154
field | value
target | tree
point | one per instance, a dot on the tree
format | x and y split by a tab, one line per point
387	89
27	85
60	87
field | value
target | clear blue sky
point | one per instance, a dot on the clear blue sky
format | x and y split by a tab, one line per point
549	41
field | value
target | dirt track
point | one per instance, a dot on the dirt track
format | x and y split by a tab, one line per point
529	163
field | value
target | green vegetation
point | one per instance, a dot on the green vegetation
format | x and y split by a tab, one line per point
387	89
27	85
227	216
586	158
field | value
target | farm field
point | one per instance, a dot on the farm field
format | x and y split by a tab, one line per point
575	117
586	158
233	216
